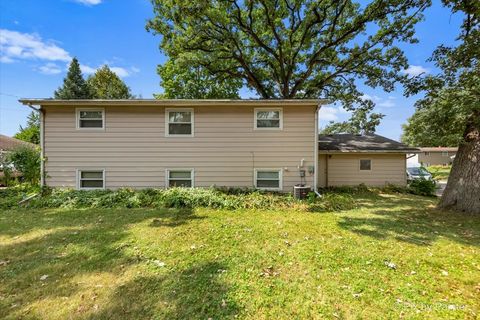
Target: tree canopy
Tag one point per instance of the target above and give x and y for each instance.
(106, 84)
(74, 85)
(31, 132)
(181, 79)
(362, 121)
(292, 48)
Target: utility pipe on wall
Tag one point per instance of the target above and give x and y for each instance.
(315, 155)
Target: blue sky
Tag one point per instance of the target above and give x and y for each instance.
(38, 39)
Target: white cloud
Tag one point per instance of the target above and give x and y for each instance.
(17, 46)
(50, 68)
(121, 72)
(415, 70)
(89, 2)
(379, 101)
(328, 114)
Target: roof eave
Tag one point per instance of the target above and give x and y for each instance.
(369, 151)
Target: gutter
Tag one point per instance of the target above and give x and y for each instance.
(41, 112)
(315, 156)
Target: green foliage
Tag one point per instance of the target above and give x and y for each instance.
(182, 79)
(11, 196)
(440, 172)
(27, 160)
(332, 201)
(74, 85)
(105, 84)
(301, 49)
(422, 187)
(6, 171)
(451, 106)
(30, 133)
(362, 121)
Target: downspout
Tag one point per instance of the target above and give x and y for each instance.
(315, 155)
(41, 112)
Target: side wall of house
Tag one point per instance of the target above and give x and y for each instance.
(344, 169)
(135, 152)
(435, 158)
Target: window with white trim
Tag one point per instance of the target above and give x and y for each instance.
(90, 118)
(180, 178)
(365, 164)
(179, 122)
(444, 153)
(268, 179)
(270, 119)
(91, 179)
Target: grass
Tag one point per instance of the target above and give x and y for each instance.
(440, 172)
(396, 257)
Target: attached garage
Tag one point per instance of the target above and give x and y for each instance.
(349, 160)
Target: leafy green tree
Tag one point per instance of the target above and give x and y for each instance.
(106, 84)
(362, 121)
(292, 49)
(74, 85)
(31, 132)
(27, 160)
(451, 107)
(183, 80)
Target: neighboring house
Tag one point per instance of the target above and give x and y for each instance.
(267, 144)
(437, 156)
(8, 144)
(349, 159)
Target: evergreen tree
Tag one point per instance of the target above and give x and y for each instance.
(105, 84)
(74, 86)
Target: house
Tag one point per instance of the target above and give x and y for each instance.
(437, 156)
(8, 144)
(266, 144)
(349, 159)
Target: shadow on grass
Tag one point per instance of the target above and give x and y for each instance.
(195, 293)
(175, 218)
(64, 245)
(414, 220)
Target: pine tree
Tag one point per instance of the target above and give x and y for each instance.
(105, 84)
(74, 86)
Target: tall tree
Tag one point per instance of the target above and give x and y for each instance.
(362, 121)
(106, 84)
(182, 79)
(31, 132)
(452, 99)
(74, 85)
(292, 48)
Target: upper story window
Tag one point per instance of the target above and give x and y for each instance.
(269, 119)
(179, 122)
(90, 118)
(365, 164)
(444, 153)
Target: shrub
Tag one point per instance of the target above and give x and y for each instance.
(422, 187)
(27, 160)
(11, 196)
(333, 202)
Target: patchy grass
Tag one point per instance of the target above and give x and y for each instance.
(440, 172)
(394, 257)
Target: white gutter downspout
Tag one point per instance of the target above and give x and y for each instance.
(42, 152)
(315, 156)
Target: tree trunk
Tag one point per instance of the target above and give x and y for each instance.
(463, 188)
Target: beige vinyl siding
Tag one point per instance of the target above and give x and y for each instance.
(135, 153)
(344, 169)
(435, 158)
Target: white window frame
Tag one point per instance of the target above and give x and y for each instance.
(79, 171)
(167, 122)
(280, 115)
(77, 118)
(167, 175)
(360, 164)
(280, 178)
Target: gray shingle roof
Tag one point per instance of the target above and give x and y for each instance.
(361, 143)
(8, 143)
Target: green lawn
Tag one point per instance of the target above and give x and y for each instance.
(184, 264)
(440, 172)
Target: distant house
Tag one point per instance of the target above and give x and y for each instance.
(263, 144)
(349, 159)
(437, 156)
(8, 144)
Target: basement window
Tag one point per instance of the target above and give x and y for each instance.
(365, 164)
(268, 179)
(91, 179)
(180, 178)
(90, 119)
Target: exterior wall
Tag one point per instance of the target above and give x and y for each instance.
(135, 152)
(344, 169)
(435, 158)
